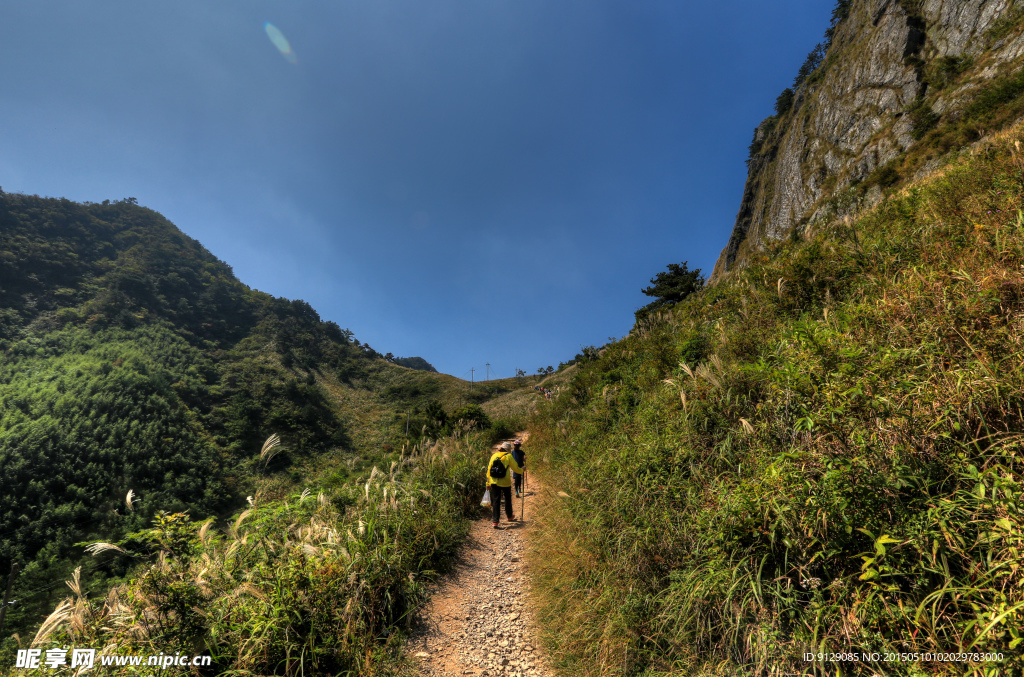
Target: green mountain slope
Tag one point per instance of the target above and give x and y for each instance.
(134, 360)
(820, 454)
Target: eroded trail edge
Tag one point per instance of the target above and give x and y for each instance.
(479, 619)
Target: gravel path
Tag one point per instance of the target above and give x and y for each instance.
(479, 620)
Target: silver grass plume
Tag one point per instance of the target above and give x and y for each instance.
(59, 615)
(97, 548)
(270, 449)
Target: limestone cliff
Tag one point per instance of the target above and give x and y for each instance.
(895, 71)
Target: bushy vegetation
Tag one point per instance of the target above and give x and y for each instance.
(814, 59)
(1005, 25)
(883, 176)
(922, 117)
(784, 102)
(502, 430)
(306, 585)
(945, 70)
(763, 133)
(821, 454)
(434, 421)
(840, 11)
(472, 416)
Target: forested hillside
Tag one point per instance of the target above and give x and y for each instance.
(134, 360)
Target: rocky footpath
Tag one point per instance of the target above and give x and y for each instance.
(479, 619)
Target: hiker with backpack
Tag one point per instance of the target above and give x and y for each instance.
(520, 456)
(499, 483)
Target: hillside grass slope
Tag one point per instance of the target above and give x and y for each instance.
(821, 454)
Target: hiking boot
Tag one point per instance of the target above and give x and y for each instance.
(495, 525)
(512, 519)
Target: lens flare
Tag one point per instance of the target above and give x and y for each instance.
(281, 42)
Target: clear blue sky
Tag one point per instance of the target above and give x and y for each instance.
(469, 181)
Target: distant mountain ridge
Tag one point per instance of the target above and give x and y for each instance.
(417, 363)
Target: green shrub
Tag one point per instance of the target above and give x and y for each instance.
(884, 176)
(1005, 25)
(762, 133)
(784, 102)
(694, 349)
(810, 65)
(995, 96)
(500, 431)
(472, 416)
(667, 288)
(947, 69)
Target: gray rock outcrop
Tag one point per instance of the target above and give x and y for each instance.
(850, 116)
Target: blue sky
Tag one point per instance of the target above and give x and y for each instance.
(470, 181)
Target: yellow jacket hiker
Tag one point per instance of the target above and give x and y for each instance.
(509, 462)
(502, 486)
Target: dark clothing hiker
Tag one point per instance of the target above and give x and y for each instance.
(520, 456)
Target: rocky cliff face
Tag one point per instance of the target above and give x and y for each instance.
(893, 67)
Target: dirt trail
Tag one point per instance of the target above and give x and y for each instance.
(479, 620)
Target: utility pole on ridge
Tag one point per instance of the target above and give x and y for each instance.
(488, 372)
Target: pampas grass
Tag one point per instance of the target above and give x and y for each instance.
(271, 448)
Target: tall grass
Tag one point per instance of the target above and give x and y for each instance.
(303, 586)
(822, 454)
